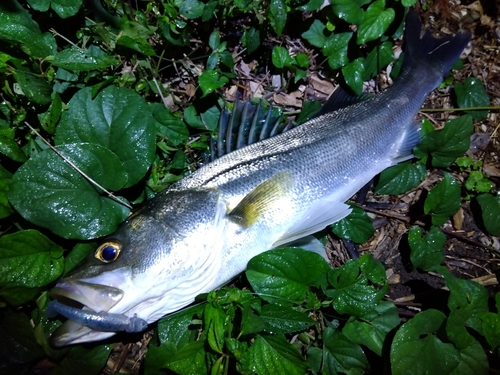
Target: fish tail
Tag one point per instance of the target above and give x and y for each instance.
(427, 52)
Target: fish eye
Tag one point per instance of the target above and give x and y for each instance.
(108, 251)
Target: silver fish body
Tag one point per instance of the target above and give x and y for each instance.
(201, 232)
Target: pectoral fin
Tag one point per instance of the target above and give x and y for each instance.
(262, 198)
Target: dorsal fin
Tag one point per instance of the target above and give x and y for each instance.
(339, 99)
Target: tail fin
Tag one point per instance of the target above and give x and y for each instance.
(438, 54)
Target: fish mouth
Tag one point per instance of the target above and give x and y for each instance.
(74, 298)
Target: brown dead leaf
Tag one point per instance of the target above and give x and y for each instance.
(293, 99)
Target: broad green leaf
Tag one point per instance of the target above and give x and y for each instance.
(250, 323)
(471, 94)
(353, 75)
(175, 328)
(49, 192)
(356, 291)
(443, 200)
(426, 251)
(82, 361)
(28, 259)
(468, 300)
(154, 361)
(33, 86)
(277, 15)
(118, 119)
(281, 58)
(416, 348)
(340, 355)
(49, 119)
(191, 8)
(5, 182)
(64, 8)
(408, 3)
(302, 60)
(490, 211)
(82, 60)
(375, 22)
(168, 125)
(137, 44)
(309, 109)
(189, 360)
(335, 49)
(473, 360)
(251, 40)
(315, 35)
(210, 80)
(372, 329)
(491, 325)
(280, 319)
(273, 355)
(214, 319)
(400, 178)
(311, 5)
(210, 118)
(282, 276)
(214, 40)
(349, 10)
(16, 26)
(8, 145)
(356, 227)
(378, 58)
(447, 144)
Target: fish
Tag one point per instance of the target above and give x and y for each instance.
(277, 188)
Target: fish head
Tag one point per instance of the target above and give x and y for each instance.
(150, 266)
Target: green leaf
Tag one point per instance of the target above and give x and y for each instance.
(335, 49)
(177, 328)
(34, 87)
(155, 359)
(137, 44)
(168, 125)
(342, 355)
(189, 360)
(214, 40)
(357, 289)
(443, 200)
(273, 355)
(375, 22)
(281, 58)
(49, 119)
(416, 348)
(280, 319)
(378, 58)
(5, 183)
(251, 40)
(77, 254)
(446, 144)
(400, 178)
(471, 94)
(349, 10)
(374, 327)
(8, 145)
(83, 361)
(210, 80)
(49, 192)
(118, 119)
(490, 212)
(82, 60)
(491, 325)
(309, 109)
(191, 8)
(16, 26)
(214, 319)
(473, 360)
(353, 75)
(282, 276)
(315, 35)
(63, 8)
(28, 259)
(356, 227)
(277, 15)
(426, 251)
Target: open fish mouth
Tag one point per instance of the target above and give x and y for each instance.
(86, 307)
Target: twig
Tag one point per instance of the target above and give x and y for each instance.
(88, 178)
(460, 109)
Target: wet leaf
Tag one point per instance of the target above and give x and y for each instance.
(353, 75)
(356, 226)
(82, 60)
(335, 49)
(490, 211)
(251, 40)
(64, 8)
(375, 22)
(281, 319)
(378, 58)
(282, 276)
(5, 183)
(281, 58)
(189, 360)
(34, 87)
(400, 178)
(169, 125)
(277, 15)
(210, 80)
(471, 93)
(191, 8)
(315, 35)
(427, 250)
(349, 10)
(8, 145)
(49, 192)
(340, 355)
(117, 119)
(443, 200)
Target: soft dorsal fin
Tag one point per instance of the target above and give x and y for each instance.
(339, 99)
(262, 198)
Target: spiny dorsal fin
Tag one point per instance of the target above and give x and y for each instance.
(262, 198)
(339, 99)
